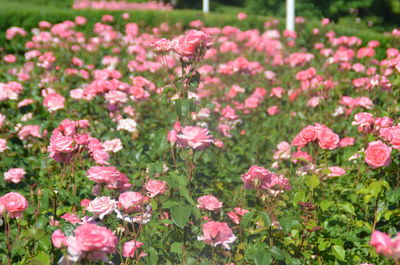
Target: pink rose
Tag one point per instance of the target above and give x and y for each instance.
(114, 145)
(92, 241)
(327, 139)
(209, 202)
(14, 203)
(377, 154)
(336, 171)
(194, 137)
(381, 242)
(131, 201)
(302, 156)
(283, 151)
(187, 45)
(346, 141)
(14, 175)
(3, 145)
(71, 218)
(216, 233)
(100, 174)
(273, 110)
(363, 119)
(53, 102)
(162, 45)
(241, 16)
(156, 187)
(130, 247)
(102, 206)
(59, 239)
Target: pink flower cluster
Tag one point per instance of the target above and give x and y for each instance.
(263, 179)
(217, 233)
(110, 177)
(325, 137)
(66, 141)
(120, 5)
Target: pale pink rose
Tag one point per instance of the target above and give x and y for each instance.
(53, 102)
(216, 233)
(172, 136)
(194, 137)
(102, 206)
(92, 242)
(114, 145)
(131, 201)
(10, 58)
(218, 143)
(101, 174)
(127, 125)
(209, 202)
(336, 171)
(277, 92)
(313, 102)
(383, 122)
(14, 203)
(283, 151)
(235, 215)
(301, 156)
(155, 187)
(327, 139)
(80, 20)
(241, 16)
(273, 110)
(29, 130)
(325, 21)
(59, 239)
(363, 119)
(162, 45)
(3, 145)
(14, 175)
(346, 141)
(25, 102)
(382, 243)
(130, 248)
(377, 154)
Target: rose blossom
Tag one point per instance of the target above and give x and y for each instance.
(59, 239)
(102, 206)
(216, 233)
(156, 187)
(91, 242)
(336, 171)
(53, 102)
(3, 145)
(131, 201)
(187, 45)
(130, 248)
(14, 203)
(377, 154)
(194, 137)
(209, 202)
(14, 175)
(327, 139)
(381, 242)
(114, 145)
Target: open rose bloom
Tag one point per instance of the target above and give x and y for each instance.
(90, 242)
(217, 233)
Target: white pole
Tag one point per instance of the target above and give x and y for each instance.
(206, 6)
(290, 15)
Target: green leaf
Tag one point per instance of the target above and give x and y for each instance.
(348, 207)
(246, 219)
(312, 181)
(325, 204)
(40, 259)
(288, 223)
(262, 257)
(266, 218)
(339, 252)
(277, 253)
(299, 196)
(176, 247)
(180, 215)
